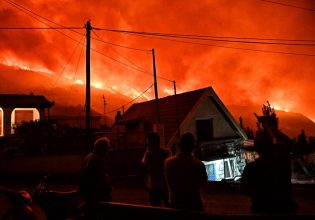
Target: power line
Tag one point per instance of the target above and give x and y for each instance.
(129, 66)
(40, 28)
(30, 13)
(63, 27)
(218, 38)
(130, 101)
(118, 45)
(134, 67)
(288, 5)
(228, 47)
(128, 60)
(118, 61)
(76, 69)
(64, 67)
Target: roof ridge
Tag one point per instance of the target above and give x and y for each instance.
(178, 94)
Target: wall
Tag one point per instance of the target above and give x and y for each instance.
(207, 109)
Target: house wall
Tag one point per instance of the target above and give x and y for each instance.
(206, 110)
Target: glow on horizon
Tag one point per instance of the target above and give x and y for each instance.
(280, 108)
(24, 66)
(79, 81)
(168, 91)
(97, 85)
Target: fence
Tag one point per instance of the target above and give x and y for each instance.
(123, 211)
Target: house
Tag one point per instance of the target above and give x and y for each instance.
(200, 112)
(75, 116)
(15, 108)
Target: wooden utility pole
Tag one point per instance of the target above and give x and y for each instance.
(156, 88)
(104, 103)
(176, 105)
(88, 86)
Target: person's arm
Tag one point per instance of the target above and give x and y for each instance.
(144, 160)
(168, 173)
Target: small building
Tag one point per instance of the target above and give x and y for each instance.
(15, 108)
(200, 112)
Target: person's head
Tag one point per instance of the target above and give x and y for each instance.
(153, 139)
(263, 144)
(187, 143)
(101, 146)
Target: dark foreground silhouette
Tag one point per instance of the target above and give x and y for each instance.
(267, 180)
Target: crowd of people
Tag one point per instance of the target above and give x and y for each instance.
(176, 181)
(172, 181)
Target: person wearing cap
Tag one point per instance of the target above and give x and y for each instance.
(185, 176)
(267, 180)
(94, 185)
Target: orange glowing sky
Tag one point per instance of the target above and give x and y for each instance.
(238, 76)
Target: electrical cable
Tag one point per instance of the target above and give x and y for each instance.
(131, 100)
(288, 5)
(64, 67)
(218, 38)
(228, 47)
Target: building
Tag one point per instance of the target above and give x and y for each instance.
(15, 108)
(200, 112)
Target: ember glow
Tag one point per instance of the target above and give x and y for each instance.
(238, 76)
(10, 61)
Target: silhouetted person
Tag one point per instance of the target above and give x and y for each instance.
(185, 176)
(153, 159)
(267, 180)
(118, 116)
(94, 186)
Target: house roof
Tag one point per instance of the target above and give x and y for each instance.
(24, 101)
(146, 111)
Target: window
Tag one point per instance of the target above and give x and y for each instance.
(227, 173)
(204, 129)
(23, 115)
(19, 115)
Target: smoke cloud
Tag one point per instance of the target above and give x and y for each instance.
(238, 76)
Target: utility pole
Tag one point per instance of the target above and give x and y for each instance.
(88, 86)
(104, 103)
(176, 106)
(156, 88)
